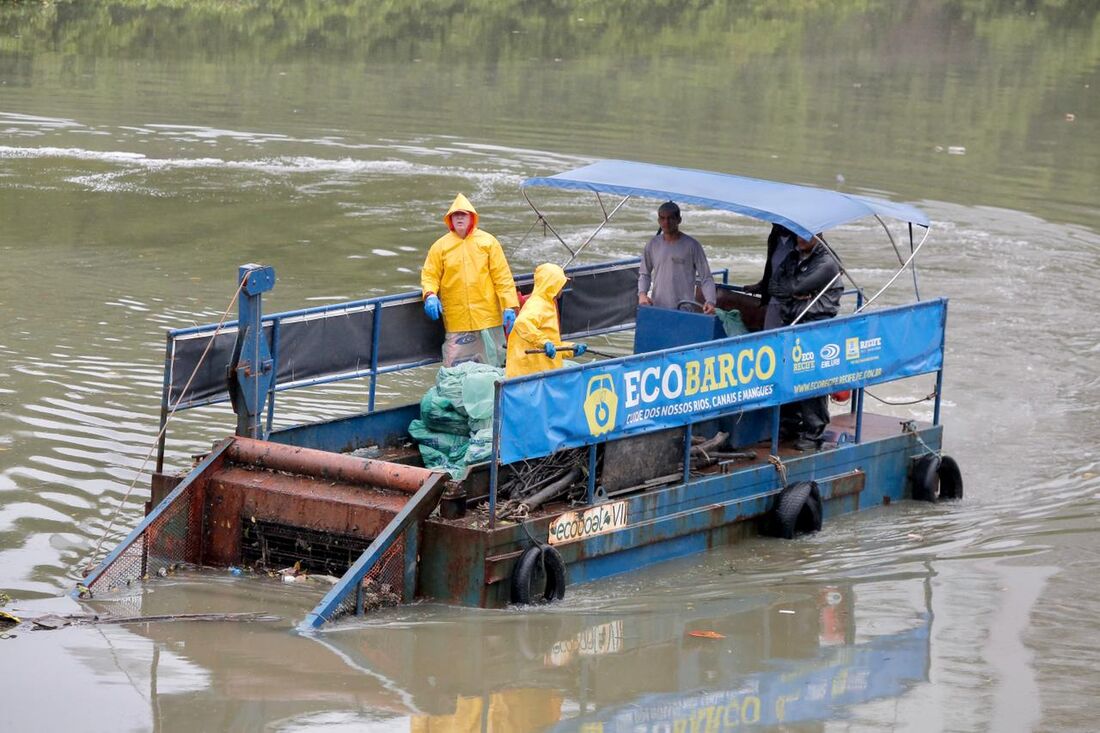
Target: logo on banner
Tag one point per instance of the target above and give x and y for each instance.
(601, 404)
(830, 356)
(803, 359)
(857, 349)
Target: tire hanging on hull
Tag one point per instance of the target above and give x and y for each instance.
(798, 510)
(538, 563)
(937, 478)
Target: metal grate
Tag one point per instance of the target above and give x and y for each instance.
(271, 545)
(167, 540)
(383, 585)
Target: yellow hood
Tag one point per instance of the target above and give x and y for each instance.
(549, 280)
(462, 204)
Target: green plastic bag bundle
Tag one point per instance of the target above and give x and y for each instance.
(455, 429)
(731, 322)
(480, 448)
(442, 415)
(477, 394)
(440, 450)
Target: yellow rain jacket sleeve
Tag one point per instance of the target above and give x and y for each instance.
(470, 275)
(537, 323)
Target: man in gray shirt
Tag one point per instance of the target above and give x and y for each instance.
(671, 263)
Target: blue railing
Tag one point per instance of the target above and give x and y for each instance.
(558, 402)
(373, 368)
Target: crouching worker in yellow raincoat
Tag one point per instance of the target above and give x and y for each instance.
(537, 327)
(466, 280)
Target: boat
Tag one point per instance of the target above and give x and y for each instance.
(596, 469)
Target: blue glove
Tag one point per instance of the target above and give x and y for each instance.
(548, 347)
(509, 320)
(579, 349)
(433, 307)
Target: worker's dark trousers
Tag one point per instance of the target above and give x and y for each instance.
(815, 416)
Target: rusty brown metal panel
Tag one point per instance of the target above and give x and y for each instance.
(845, 484)
(161, 485)
(237, 494)
(452, 561)
(221, 524)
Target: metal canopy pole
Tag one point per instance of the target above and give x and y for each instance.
(916, 287)
(901, 260)
(597, 230)
(573, 253)
(843, 271)
(900, 270)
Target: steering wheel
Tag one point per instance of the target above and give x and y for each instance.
(689, 306)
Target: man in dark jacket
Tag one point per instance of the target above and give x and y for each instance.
(780, 244)
(809, 269)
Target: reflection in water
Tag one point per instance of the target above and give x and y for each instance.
(762, 661)
(640, 673)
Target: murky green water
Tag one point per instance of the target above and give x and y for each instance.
(147, 149)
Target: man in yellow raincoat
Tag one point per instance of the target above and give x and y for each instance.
(537, 327)
(466, 280)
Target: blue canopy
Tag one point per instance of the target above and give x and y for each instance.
(802, 209)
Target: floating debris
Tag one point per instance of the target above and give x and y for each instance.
(52, 622)
(706, 635)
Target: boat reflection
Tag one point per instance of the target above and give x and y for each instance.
(811, 652)
(790, 691)
(720, 664)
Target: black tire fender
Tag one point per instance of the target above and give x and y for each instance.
(951, 480)
(798, 510)
(536, 559)
(926, 478)
(937, 478)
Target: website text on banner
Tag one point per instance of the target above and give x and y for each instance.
(637, 394)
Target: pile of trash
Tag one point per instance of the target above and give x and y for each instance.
(455, 429)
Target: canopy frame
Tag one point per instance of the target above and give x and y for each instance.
(722, 191)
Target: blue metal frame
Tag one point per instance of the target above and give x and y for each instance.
(255, 367)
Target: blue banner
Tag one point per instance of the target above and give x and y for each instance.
(638, 394)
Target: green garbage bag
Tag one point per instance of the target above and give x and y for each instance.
(731, 322)
(477, 394)
(480, 447)
(455, 428)
(440, 414)
(440, 450)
